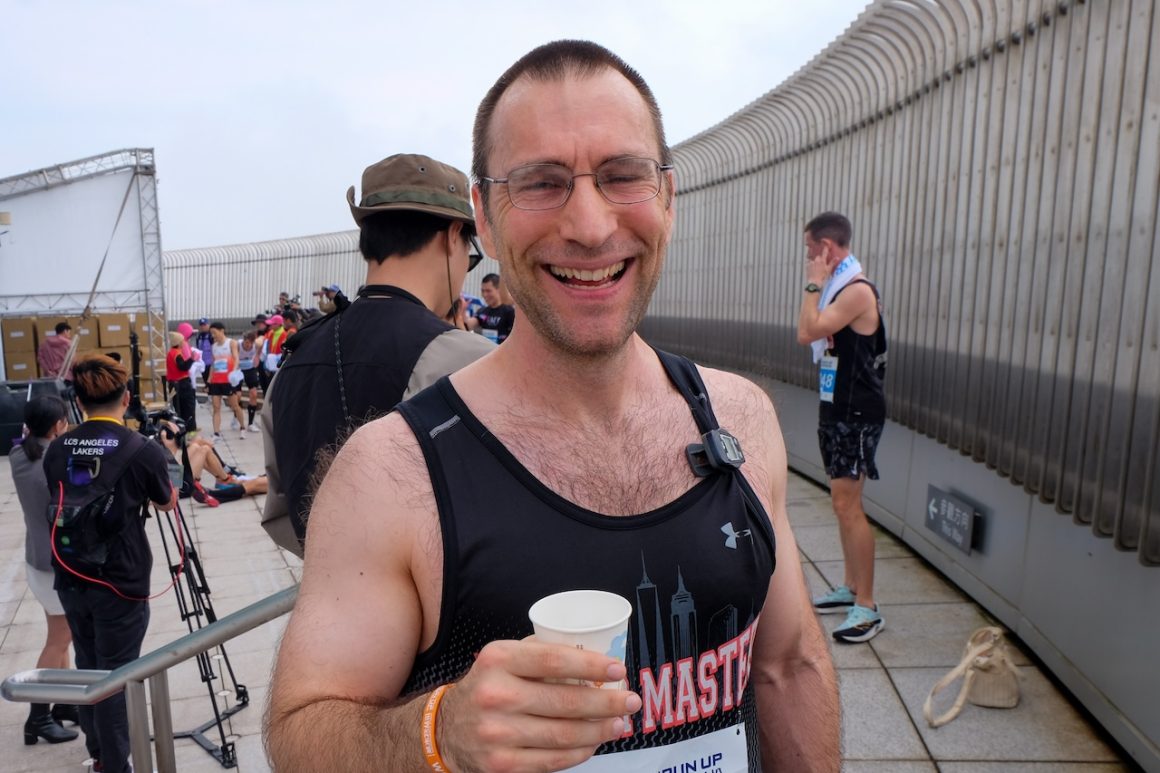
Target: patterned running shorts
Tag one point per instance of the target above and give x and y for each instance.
(848, 448)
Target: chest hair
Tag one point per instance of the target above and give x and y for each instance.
(625, 467)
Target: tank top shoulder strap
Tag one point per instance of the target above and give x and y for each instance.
(686, 378)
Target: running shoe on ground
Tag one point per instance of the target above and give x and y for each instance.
(234, 424)
(201, 496)
(254, 428)
(840, 599)
(218, 436)
(862, 624)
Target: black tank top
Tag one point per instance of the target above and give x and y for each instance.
(859, 393)
(696, 571)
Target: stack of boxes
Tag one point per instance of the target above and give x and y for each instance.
(19, 348)
(105, 333)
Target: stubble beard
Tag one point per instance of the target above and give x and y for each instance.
(561, 336)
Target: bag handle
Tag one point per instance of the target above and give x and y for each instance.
(962, 669)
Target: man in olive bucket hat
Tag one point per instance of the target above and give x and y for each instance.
(417, 235)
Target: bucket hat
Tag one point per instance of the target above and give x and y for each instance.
(414, 182)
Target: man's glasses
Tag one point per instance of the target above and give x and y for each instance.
(548, 186)
(473, 258)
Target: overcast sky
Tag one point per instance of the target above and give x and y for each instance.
(263, 113)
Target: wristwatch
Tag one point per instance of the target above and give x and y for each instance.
(813, 288)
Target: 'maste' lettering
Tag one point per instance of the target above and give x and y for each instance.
(714, 682)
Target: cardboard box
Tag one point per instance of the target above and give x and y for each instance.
(113, 329)
(87, 333)
(20, 366)
(19, 334)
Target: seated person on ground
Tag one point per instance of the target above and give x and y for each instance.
(203, 458)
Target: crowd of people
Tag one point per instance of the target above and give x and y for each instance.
(414, 439)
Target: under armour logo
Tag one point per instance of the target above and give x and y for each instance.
(731, 535)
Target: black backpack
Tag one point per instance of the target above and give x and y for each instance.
(83, 528)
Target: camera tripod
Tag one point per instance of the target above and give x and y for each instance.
(196, 608)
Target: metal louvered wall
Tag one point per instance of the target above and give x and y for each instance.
(1000, 161)
(239, 280)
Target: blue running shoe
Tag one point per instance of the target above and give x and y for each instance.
(840, 599)
(862, 624)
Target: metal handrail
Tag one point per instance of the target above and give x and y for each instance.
(86, 687)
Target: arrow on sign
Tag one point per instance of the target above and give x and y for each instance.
(931, 510)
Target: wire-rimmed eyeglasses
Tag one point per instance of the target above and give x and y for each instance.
(473, 258)
(547, 186)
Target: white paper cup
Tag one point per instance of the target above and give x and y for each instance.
(585, 619)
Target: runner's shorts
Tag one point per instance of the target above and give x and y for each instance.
(250, 378)
(848, 448)
(222, 390)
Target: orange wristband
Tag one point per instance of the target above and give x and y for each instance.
(430, 715)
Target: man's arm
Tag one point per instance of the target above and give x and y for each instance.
(855, 300)
(793, 673)
(373, 568)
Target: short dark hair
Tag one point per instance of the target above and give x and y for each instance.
(490, 279)
(833, 226)
(402, 233)
(291, 316)
(99, 381)
(40, 415)
(217, 326)
(553, 62)
(62, 326)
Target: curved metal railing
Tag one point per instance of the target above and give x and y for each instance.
(81, 687)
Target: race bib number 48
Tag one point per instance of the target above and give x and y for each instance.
(827, 377)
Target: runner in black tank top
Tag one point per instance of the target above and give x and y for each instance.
(558, 461)
(696, 571)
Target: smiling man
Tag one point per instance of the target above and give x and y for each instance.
(574, 456)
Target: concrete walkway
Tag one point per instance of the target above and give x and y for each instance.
(883, 683)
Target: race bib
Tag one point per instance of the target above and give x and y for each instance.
(491, 335)
(221, 366)
(827, 378)
(724, 751)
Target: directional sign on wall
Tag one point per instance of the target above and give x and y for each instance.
(950, 517)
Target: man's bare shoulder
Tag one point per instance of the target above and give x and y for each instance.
(745, 410)
(736, 398)
(379, 469)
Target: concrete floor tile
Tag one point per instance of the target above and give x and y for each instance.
(8, 610)
(875, 724)
(888, 766)
(253, 586)
(820, 543)
(800, 487)
(252, 755)
(1044, 727)
(67, 757)
(900, 581)
(928, 634)
(1032, 767)
(25, 638)
(809, 512)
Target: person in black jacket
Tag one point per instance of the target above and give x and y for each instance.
(101, 476)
